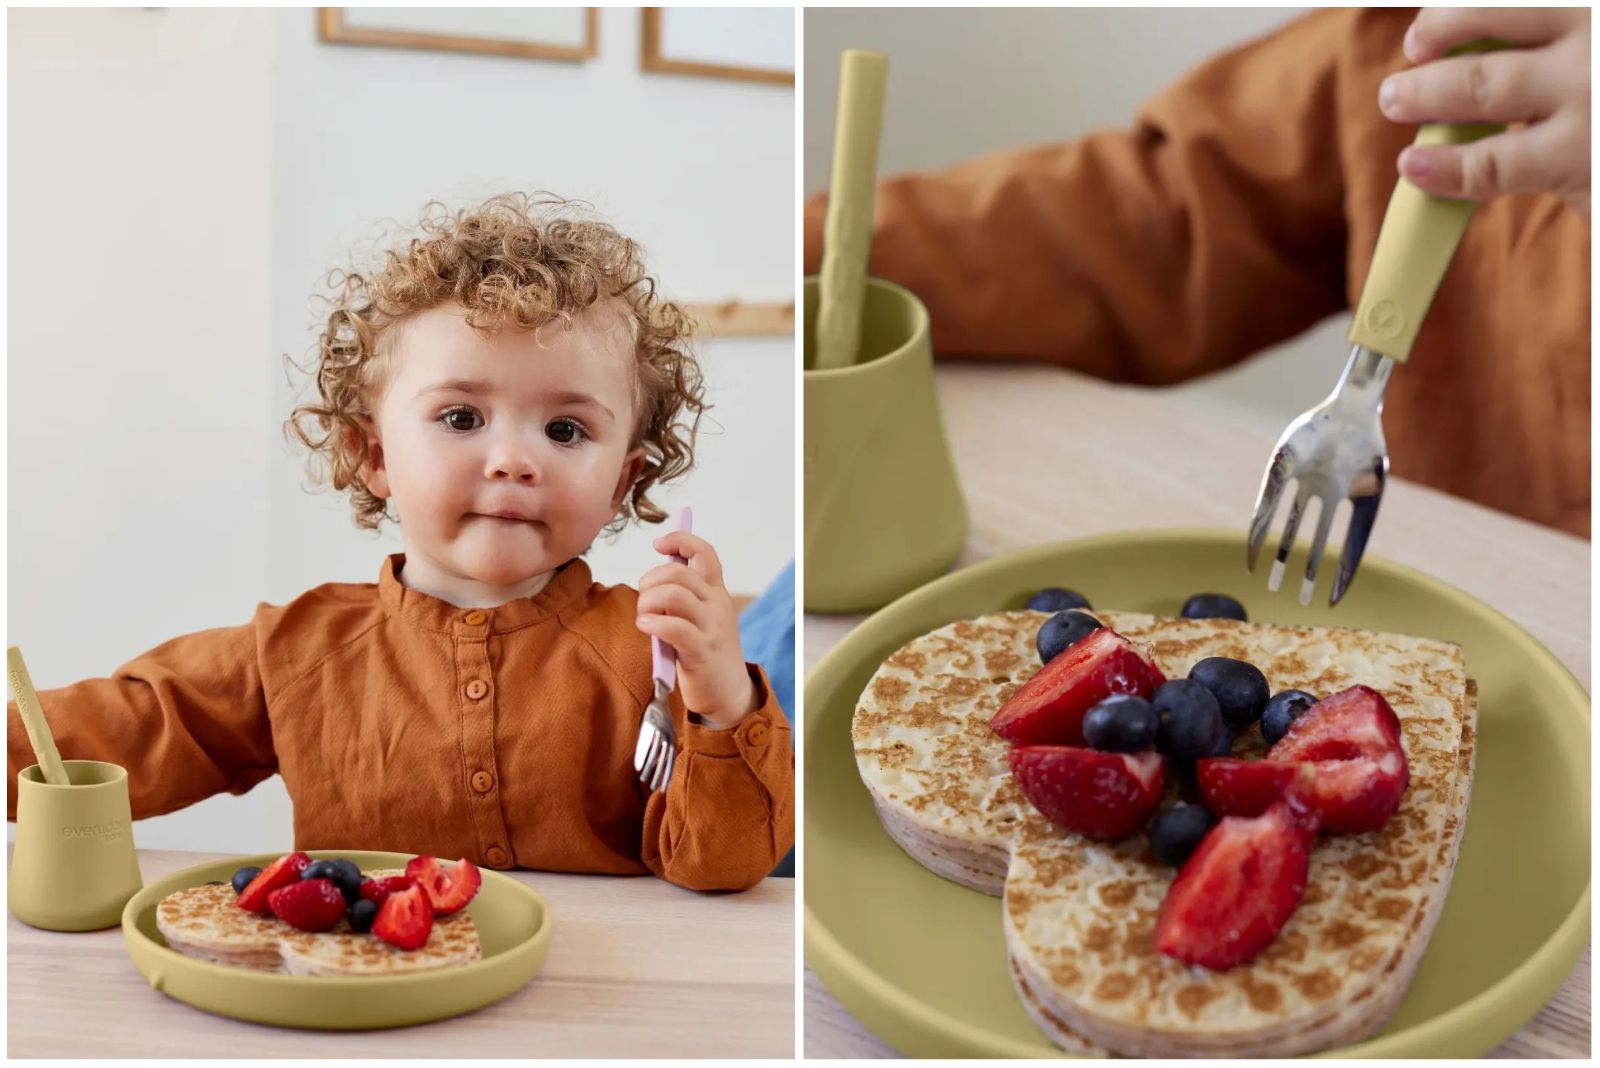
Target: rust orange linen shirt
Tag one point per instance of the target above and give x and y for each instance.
(401, 722)
(1241, 208)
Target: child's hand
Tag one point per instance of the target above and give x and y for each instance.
(1544, 82)
(688, 607)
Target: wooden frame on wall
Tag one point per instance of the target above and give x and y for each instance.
(652, 60)
(738, 318)
(334, 29)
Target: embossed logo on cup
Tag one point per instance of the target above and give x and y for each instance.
(1385, 319)
(106, 832)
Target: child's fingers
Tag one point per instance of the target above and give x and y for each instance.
(1497, 87)
(678, 633)
(1528, 160)
(1436, 30)
(678, 575)
(701, 556)
(665, 600)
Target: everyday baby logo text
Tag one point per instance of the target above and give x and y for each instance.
(106, 832)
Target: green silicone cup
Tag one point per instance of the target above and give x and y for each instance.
(74, 866)
(883, 507)
(513, 924)
(922, 961)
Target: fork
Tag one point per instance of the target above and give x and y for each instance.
(1335, 451)
(656, 751)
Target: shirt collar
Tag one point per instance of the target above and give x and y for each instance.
(569, 583)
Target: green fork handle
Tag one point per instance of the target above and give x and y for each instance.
(1418, 237)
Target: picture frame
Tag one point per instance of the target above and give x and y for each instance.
(576, 31)
(683, 46)
(743, 318)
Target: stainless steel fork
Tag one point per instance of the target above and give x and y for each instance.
(656, 751)
(1336, 452)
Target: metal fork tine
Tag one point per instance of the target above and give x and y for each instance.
(1325, 509)
(641, 748)
(1286, 543)
(1267, 501)
(1365, 496)
(666, 768)
(648, 770)
(663, 765)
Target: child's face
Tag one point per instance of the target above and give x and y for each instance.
(504, 455)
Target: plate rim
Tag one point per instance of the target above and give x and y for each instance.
(1542, 972)
(148, 894)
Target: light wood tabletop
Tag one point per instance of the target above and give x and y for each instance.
(637, 968)
(1013, 429)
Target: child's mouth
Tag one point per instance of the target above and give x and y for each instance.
(506, 516)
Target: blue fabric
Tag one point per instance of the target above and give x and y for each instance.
(766, 631)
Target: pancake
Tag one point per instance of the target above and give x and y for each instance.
(1079, 915)
(206, 922)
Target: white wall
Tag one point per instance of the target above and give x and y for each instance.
(963, 82)
(180, 181)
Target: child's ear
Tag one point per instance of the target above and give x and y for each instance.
(632, 464)
(373, 474)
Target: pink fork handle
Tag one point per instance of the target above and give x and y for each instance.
(663, 657)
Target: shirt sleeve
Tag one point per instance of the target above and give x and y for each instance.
(188, 719)
(1211, 229)
(727, 817)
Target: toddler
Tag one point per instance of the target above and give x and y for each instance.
(505, 385)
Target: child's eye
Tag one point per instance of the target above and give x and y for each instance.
(565, 431)
(461, 419)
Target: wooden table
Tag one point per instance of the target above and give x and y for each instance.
(1017, 433)
(637, 968)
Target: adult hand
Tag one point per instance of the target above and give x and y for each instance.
(1542, 84)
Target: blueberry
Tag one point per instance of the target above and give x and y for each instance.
(1283, 709)
(242, 878)
(1240, 688)
(1176, 831)
(1224, 744)
(1214, 606)
(1056, 599)
(361, 914)
(342, 873)
(1190, 720)
(1061, 630)
(1122, 723)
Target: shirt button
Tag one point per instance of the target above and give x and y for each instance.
(756, 734)
(474, 618)
(496, 856)
(477, 688)
(482, 781)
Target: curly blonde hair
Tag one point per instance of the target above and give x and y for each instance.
(513, 260)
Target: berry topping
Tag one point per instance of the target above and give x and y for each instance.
(1344, 751)
(1049, 708)
(1056, 599)
(405, 919)
(1062, 630)
(1098, 795)
(1122, 723)
(1177, 831)
(1283, 709)
(449, 889)
(375, 890)
(1237, 890)
(1214, 606)
(1190, 721)
(279, 873)
(1240, 688)
(361, 915)
(242, 877)
(342, 873)
(308, 904)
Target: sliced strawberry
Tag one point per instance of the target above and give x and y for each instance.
(1098, 795)
(1235, 893)
(448, 888)
(1357, 722)
(309, 904)
(375, 890)
(405, 919)
(279, 873)
(1049, 708)
(1233, 787)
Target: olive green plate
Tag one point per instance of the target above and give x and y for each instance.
(513, 927)
(922, 961)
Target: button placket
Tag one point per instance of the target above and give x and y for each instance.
(476, 690)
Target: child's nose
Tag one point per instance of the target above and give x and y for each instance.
(514, 465)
